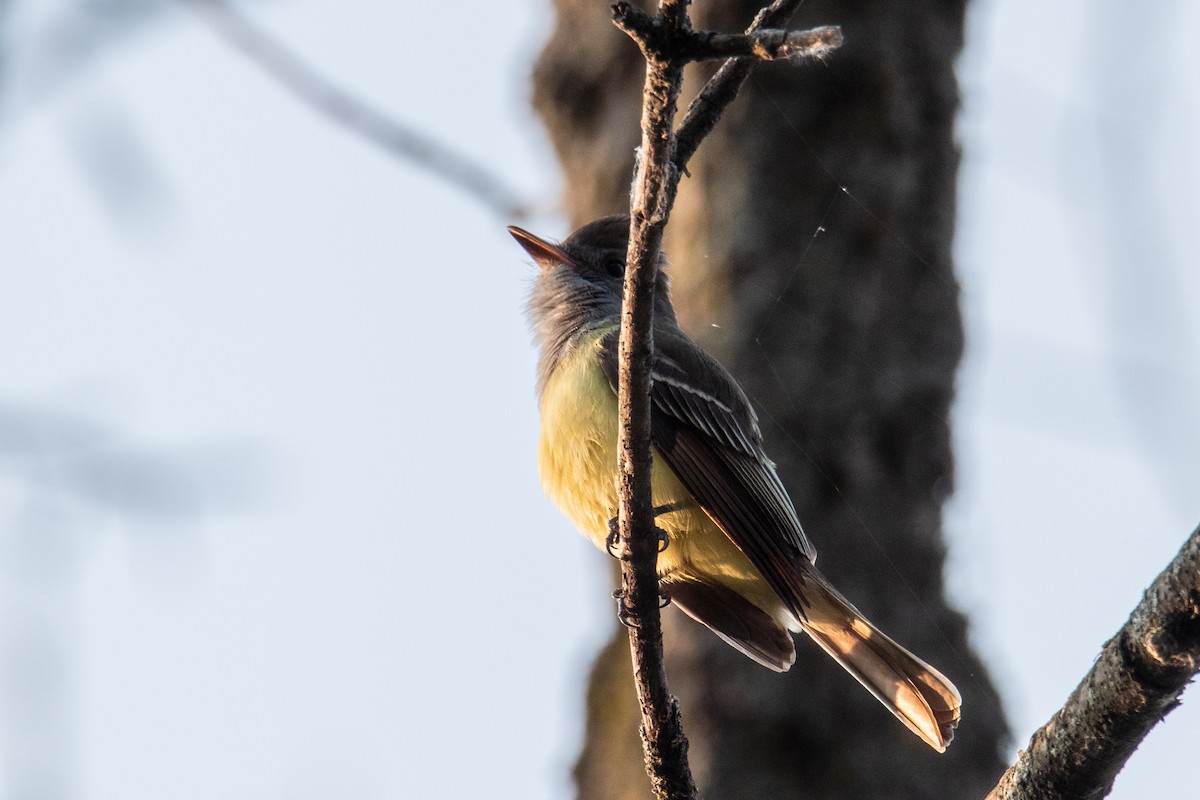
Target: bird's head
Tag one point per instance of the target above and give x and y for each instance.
(581, 279)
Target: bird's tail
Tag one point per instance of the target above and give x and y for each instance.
(920, 696)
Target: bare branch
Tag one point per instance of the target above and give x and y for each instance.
(763, 44)
(708, 106)
(762, 41)
(1136, 681)
(668, 44)
(664, 744)
(342, 107)
(767, 45)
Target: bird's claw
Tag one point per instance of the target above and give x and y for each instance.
(625, 612)
(617, 545)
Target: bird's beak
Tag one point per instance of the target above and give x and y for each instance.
(544, 253)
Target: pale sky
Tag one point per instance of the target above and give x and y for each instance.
(249, 416)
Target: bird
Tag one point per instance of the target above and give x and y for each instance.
(736, 558)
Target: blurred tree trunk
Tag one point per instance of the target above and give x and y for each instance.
(839, 314)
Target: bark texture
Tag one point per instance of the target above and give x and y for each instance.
(1136, 681)
(838, 312)
(664, 743)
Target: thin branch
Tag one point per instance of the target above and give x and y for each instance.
(762, 41)
(668, 43)
(1136, 681)
(664, 744)
(368, 122)
(771, 44)
(762, 44)
(708, 106)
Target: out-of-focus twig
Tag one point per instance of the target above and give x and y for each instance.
(344, 108)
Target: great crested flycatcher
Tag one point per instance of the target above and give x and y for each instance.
(737, 559)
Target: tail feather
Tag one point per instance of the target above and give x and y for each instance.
(736, 620)
(920, 696)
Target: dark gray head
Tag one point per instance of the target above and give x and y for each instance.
(579, 286)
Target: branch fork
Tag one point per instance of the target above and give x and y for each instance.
(659, 39)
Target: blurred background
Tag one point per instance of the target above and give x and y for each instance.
(271, 519)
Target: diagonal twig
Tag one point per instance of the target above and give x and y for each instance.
(708, 106)
(1136, 681)
(354, 114)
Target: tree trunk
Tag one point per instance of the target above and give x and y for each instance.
(838, 312)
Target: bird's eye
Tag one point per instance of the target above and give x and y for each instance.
(614, 266)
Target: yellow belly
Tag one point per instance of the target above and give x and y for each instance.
(577, 458)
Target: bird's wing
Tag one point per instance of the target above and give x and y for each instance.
(706, 431)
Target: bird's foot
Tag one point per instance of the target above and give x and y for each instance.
(625, 612)
(618, 546)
